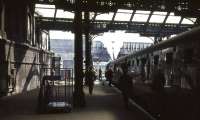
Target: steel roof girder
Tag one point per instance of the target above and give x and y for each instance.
(100, 26)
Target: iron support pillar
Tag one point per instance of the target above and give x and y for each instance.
(49, 42)
(2, 19)
(79, 98)
(88, 56)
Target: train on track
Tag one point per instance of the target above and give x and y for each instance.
(165, 76)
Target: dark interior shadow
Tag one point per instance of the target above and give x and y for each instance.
(19, 55)
(19, 104)
(108, 100)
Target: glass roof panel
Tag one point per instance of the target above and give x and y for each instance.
(44, 6)
(123, 16)
(193, 19)
(105, 16)
(124, 11)
(64, 14)
(92, 15)
(157, 19)
(140, 18)
(159, 13)
(188, 21)
(142, 12)
(45, 12)
(171, 14)
(173, 19)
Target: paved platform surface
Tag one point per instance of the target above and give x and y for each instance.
(104, 104)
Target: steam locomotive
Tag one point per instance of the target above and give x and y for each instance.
(165, 76)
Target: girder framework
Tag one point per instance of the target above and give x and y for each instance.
(98, 26)
(183, 8)
(189, 8)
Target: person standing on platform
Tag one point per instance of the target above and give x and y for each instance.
(126, 85)
(91, 78)
(159, 90)
(109, 75)
(100, 74)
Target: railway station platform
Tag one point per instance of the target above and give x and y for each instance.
(106, 103)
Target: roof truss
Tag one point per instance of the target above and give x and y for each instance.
(99, 26)
(147, 28)
(189, 8)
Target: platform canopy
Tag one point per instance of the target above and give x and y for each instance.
(157, 18)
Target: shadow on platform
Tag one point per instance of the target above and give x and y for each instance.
(104, 104)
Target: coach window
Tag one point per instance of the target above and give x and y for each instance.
(137, 60)
(169, 58)
(156, 59)
(133, 63)
(188, 53)
(143, 61)
(129, 63)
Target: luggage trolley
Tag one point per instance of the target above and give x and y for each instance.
(56, 90)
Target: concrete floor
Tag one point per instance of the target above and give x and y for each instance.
(104, 104)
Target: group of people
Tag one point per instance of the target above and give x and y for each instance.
(125, 81)
(91, 75)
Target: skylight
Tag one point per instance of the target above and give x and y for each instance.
(158, 17)
(160, 13)
(105, 16)
(123, 15)
(124, 11)
(141, 16)
(64, 14)
(44, 6)
(45, 12)
(92, 15)
(193, 19)
(142, 12)
(173, 19)
(188, 21)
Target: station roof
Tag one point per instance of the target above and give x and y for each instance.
(147, 17)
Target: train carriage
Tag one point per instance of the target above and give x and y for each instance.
(166, 73)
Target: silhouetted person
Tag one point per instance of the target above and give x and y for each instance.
(125, 84)
(158, 81)
(90, 73)
(109, 75)
(100, 74)
(158, 88)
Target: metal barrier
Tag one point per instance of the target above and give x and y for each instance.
(56, 88)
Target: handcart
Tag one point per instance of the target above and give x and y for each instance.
(56, 90)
